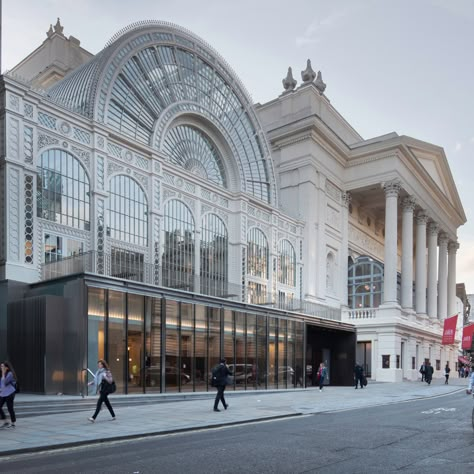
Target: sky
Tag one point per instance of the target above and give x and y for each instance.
(405, 66)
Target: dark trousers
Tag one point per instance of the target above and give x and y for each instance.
(9, 401)
(103, 398)
(358, 380)
(321, 382)
(220, 396)
(447, 378)
(423, 376)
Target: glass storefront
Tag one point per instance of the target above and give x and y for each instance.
(161, 345)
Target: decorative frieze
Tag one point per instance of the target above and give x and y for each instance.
(28, 110)
(28, 144)
(156, 193)
(100, 172)
(47, 120)
(114, 150)
(14, 102)
(142, 179)
(142, 162)
(14, 214)
(83, 155)
(13, 138)
(191, 203)
(29, 220)
(113, 168)
(167, 194)
(82, 135)
(65, 128)
(168, 178)
(45, 140)
(367, 244)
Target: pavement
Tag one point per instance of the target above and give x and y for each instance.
(54, 422)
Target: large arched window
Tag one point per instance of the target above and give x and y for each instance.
(365, 283)
(178, 251)
(286, 263)
(257, 254)
(128, 211)
(214, 256)
(189, 148)
(63, 190)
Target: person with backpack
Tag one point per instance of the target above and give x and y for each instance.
(104, 385)
(358, 375)
(7, 394)
(219, 380)
(423, 371)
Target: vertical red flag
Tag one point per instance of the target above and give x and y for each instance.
(467, 333)
(449, 331)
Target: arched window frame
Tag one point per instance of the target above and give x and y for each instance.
(286, 263)
(258, 253)
(214, 258)
(178, 256)
(365, 283)
(127, 211)
(66, 199)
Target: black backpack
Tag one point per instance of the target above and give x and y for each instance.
(17, 387)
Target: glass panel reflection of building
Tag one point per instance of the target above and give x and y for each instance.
(162, 345)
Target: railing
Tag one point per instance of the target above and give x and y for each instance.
(363, 313)
(136, 270)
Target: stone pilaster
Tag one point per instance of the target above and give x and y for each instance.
(408, 206)
(452, 249)
(420, 294)
(433, 229)
(443, 276)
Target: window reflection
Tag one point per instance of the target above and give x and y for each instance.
(257, 260)
(63, 190)
(365, 283)
(286, 263)
(214, 256)
(128, 211)
(178, 253)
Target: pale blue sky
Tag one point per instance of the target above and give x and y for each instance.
(403, 66)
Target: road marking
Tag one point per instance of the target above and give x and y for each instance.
(437, 411)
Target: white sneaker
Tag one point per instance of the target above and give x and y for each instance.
(91, 419)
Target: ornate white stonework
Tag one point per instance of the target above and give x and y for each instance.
(113, 167)
(13, 138)
(100, 172)
(156, 193)
(13, 214)
(83, 155)
(46, 140)
(28, 144)
(366, 244)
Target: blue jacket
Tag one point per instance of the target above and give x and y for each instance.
(7, 385)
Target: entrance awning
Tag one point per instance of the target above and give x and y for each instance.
(463, 360)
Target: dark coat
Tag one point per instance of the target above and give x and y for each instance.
(429, 371)
(222, 373)
(358, 371)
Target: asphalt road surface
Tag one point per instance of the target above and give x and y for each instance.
(426, 436)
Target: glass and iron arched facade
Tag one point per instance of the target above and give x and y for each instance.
(365, 283)
(214, 248)
(128, 211)
(178, 257)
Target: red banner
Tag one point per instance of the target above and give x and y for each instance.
(449, 331)
(467, 336)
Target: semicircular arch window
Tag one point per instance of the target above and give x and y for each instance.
(189, 148)
(63, 192)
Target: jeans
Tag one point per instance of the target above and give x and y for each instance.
(9, 401)
(103, 398)
(321, 382)
(471, 381)
(220, 396)
(358, 380)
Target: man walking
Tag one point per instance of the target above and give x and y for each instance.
(428, 372)
(423, 371)
(446, 373)
(219, 380)
(358, 375)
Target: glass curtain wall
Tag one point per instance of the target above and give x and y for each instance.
(173, 351)
(365, 283)
(179, 246)
(286, 263)
(135, 342)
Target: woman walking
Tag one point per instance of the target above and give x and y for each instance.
(7, 394)
(322, 373)
(102, 379)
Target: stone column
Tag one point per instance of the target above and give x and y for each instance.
(433, 229)
(408, 206)
(420, 292)
(452, 249)
(443, 276)
(346, 200)
(390, 257)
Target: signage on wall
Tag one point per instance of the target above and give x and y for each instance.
(449, 331)
(467, 337)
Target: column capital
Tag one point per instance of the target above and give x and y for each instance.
(391, 188)
(433, 228)
(453, 247)
(408, 204)
(346, 198)
(422, 218)
(443, 238)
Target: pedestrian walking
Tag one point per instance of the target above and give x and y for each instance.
(428, 372)
(219, 380)
(322, 374)
(358, 375)
(103, 382)
(8, 386)
(423, 371)
(446, 374)
(471, 378)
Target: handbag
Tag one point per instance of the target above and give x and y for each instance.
(107, 387)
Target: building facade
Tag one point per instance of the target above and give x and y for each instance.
(155, 216)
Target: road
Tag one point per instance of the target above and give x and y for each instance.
(424, 436)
